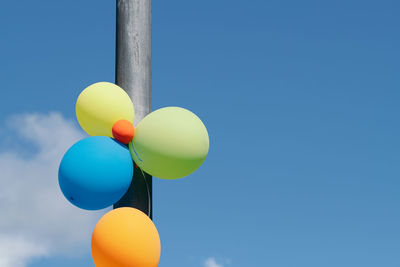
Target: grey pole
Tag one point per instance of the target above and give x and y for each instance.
(133, 74)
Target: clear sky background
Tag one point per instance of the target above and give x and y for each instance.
(301, 101)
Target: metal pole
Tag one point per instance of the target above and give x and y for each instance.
(133, 74)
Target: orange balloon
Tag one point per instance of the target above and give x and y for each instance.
(123, 131)
(125, 237)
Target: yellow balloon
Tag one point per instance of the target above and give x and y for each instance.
(101, 105)
(170, 143)
(125, 237)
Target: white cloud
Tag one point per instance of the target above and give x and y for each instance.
(35, 218)
(210, 262)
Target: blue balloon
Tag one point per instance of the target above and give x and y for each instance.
(95, 172)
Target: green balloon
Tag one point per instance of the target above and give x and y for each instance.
(170, 143)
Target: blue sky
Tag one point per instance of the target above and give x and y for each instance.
(301, 101)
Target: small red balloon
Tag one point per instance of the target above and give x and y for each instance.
(123, 131)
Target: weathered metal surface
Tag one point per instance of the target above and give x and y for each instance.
(133, 74)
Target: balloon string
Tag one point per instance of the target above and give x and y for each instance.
(145, 180)
(148, 191)
(133, 147)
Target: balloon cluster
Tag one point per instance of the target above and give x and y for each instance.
(96, 172)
